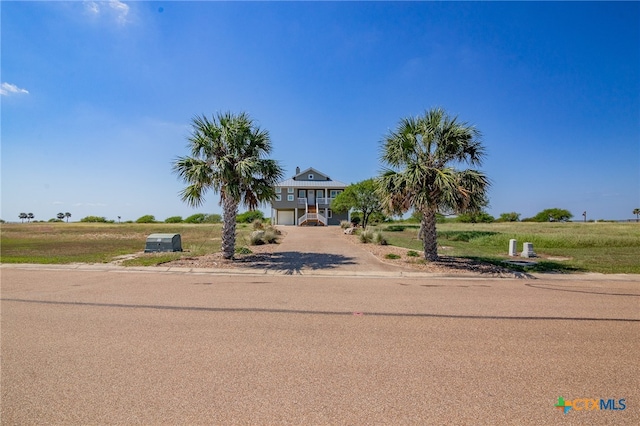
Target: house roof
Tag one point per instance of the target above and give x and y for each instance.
(295, 181)
(312, 183)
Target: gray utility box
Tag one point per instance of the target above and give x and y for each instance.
(163, 242)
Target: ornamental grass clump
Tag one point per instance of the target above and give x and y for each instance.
(379, 239)
(264, 236)
(366, 236)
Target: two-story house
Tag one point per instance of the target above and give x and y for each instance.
(305, 199)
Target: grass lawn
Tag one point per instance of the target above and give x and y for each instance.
(102, 243)
(567, 247)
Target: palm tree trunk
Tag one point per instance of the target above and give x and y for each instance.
(230, 208)
(429, 235)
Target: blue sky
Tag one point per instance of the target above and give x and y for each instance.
(97, 97)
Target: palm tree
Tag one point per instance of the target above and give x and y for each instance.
(637, 213)
(421, 154)
(228, 156)
(67, 215)
(60, 216)
(22, 217)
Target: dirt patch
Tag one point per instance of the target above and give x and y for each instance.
(215, 260)
(446, 264)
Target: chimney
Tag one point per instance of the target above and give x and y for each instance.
(297, 170)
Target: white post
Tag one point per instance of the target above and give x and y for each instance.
(527, 250)
(513, 244)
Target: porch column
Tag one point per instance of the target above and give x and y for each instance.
(295, 217)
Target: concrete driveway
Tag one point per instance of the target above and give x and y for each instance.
(319, 248)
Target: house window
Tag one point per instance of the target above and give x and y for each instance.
(278, 190)
(319, 193)
(302, 193)
(290, 190)
(310, 176)
(329, 213)
(289, 197)
(334, 193)
(278, 197)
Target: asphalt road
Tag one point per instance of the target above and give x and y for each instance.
(112, 347)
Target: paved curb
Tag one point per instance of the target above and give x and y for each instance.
(86, 267)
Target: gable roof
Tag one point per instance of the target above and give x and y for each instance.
(312, 183)
(310, 170)
(304, 183)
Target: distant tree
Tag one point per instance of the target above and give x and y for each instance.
(30, 216)
(228, 156)
(250, 216)
(60, 216)
(213, 218)
(97, 219)
(68, 215)
(637, 213)
(416, 216)
(148, 218)
(509, 217)
(361, 197)
(173, 219)
(22, 217)
(196, 218)
(553, 215)
(421, 155)
(479, 217)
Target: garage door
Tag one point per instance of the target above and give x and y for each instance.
(286, 218)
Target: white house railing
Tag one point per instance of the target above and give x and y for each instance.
(316, 217)
(320, 200)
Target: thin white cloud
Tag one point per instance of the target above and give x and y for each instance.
(92, 7)
(7, 89)
(114, 8)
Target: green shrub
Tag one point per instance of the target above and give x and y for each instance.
(149, 218)
(509, 217)
(97, 219)
(344, 224)
(212, 218)
(392, 256)
(396, 228)
(195, 218)
(257, 224)
(243, 250)
(250, 216)
(173, 219)
(204, 218)
(480, 217)
(413, 253)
